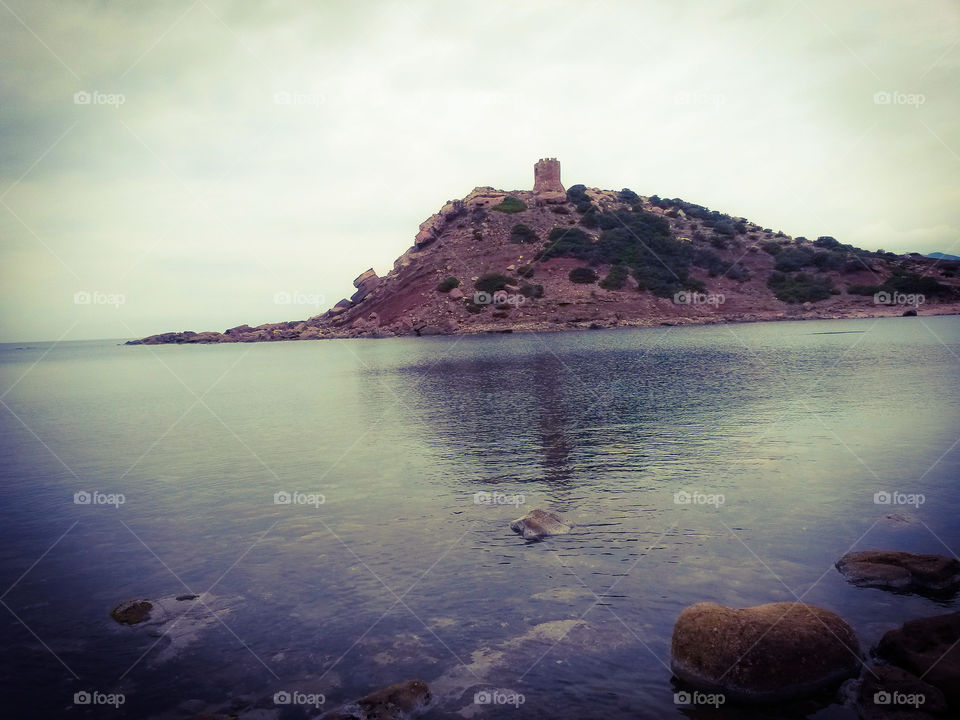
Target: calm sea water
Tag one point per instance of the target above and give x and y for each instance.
(399, 573)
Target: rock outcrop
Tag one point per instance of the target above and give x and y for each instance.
(930, 649)
(396, 702)
(132, 612)
(538, 524)
(892, 570)
(890, 693)
(526, 244)
(767, 653)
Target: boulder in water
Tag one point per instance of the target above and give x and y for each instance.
(892, 570)
(930, 649)
(131, 612)
(766, 653)
(889, 693)
(395, 702)
(538, 524)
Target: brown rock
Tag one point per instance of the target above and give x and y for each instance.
(767, 653)
(391, 703)
(341, 306)
(894, 570)
(131, 612)
(364, 277)
(889, 693)
(538, 524)
(930, 649)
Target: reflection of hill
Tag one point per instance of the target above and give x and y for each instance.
(512, 412)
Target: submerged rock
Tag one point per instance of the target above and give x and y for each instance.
(402, 700)
(177, 620)
(930, 649)
(538, 524)
(766, 653)
(131, 612)
(893, 570)
(889, 693)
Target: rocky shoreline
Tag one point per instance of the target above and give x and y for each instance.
(305, 330)
(770, 655)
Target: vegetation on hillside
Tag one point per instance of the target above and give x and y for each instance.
(800, 287)
(510, 204)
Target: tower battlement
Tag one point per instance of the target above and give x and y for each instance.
(546, 176)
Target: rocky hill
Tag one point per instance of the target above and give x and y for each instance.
(558, 259)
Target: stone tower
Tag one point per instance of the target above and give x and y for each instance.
(546, 176)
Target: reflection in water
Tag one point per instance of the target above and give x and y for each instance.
(554, 438)
(798, 431)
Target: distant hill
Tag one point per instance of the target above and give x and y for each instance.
(942, 256)
(559, 259)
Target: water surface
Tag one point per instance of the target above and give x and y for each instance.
(399, 573)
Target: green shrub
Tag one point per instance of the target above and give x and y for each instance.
(577, 193)
(531, 291)
(831, 260)
(770, 247)
(635, 238)
(912, 284)
(801, 287)
(863, 289)
(525, 271)
(591, 218)
(724, 227)
(510, 204)
(856, 264)
(616, 278)
(583, 275)
(522, 234)
(825, 241)
(793, 259)
(715, 266)
(492, 282)
(628, 196)
(448, 284)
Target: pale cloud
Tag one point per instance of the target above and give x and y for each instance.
(204, 193)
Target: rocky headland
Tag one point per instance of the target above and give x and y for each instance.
(553, 258)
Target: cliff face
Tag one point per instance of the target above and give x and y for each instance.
(500, 261)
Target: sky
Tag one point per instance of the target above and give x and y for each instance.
(200, 164)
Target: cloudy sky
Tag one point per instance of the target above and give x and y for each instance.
(187, 164)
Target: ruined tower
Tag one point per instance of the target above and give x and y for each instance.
(546, 176)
